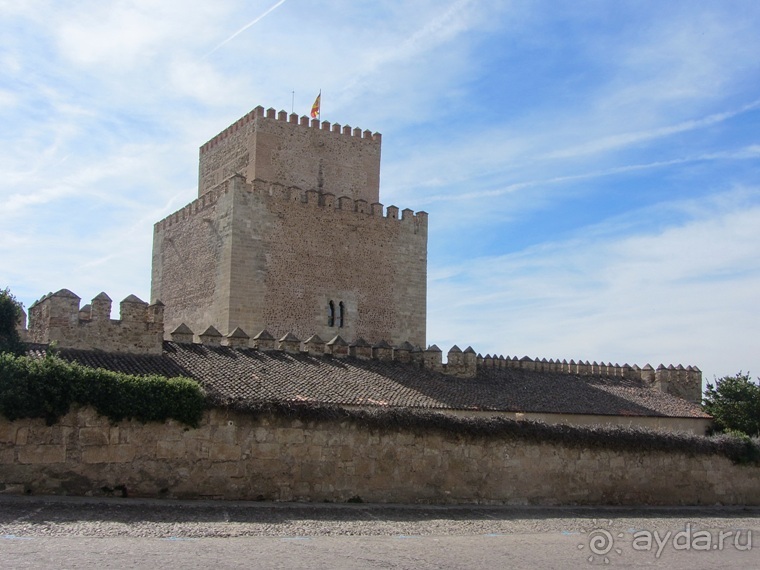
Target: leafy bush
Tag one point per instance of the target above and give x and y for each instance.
(47, 387)
(734, 403)
(10, 315)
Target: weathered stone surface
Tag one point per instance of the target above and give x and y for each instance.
(8, 433)
(224, 452)
(118, 453)
(42, 454)
(268, 245)
(57, 318)
(94, 436)
(234, 456)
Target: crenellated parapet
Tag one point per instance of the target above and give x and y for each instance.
(292, 118)
(57, 317)
(277, 193)
(294, 151)
(460, 364)
(684, 382)
(195, 208)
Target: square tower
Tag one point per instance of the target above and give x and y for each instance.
(288, 235)
(305, 154)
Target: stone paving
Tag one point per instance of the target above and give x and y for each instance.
(75, 532)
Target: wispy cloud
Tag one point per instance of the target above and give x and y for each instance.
(256, 20)
(751, 152)
(617, 141)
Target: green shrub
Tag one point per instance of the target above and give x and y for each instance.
(734, 403)
(47, 387)
(10, 315)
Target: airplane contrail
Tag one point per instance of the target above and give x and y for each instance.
(248, 25)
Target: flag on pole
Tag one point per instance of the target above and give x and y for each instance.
(315, 106)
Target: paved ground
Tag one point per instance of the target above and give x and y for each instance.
(61, 532)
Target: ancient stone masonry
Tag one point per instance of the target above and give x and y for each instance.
(56, 317)
(235, 456)
(278, 147)
(678, 381)
(288, 235)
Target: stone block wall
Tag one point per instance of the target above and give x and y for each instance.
(293, 151)
(56, 317)
(265, 256)
(682, 382)
(234, 456)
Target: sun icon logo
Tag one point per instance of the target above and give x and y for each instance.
(600, 542)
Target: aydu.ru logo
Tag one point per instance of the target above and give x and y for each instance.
(601, 541)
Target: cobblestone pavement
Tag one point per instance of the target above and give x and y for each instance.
(67, 532)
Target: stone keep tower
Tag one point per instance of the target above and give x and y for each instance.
(287, 234)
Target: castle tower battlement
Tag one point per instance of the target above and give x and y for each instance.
(288, 233)
(292, 118)
(56, 317)
(277, 147)
(293, 194)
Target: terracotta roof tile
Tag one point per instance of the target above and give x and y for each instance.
(246, 374)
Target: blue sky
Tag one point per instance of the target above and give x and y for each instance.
(591, 168)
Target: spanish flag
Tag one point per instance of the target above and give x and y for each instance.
(315, 106)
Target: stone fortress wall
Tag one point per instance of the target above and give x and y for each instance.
(235, 456)
(57, 317)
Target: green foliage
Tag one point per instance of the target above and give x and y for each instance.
(47, 387)
(10, 315)
(734, 403)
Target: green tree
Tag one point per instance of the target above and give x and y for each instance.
(10, 315)
(734, 403)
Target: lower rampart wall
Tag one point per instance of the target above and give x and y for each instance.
(236, 456)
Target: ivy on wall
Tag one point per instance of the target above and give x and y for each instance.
(743, 450)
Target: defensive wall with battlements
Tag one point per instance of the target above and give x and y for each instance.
(57, 317)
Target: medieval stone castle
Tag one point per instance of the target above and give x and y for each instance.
(288, 234)
(288, 241)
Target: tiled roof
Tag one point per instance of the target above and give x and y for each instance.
(230, 374)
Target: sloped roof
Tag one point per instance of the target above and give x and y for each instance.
(230, 374)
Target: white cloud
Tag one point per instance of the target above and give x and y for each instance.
(687, 294)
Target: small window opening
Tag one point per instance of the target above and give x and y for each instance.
(341, 314)
(331, 314)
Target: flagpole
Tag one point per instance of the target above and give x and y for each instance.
(319, 111)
